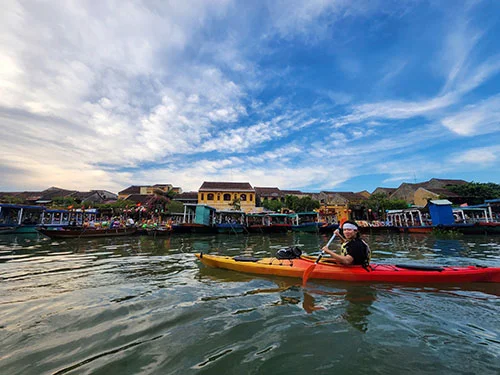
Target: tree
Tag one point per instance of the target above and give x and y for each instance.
(306, 204)
(303, 204)
(175, 207)
(272, 205)
(379, 203)
(236, 203)
(476, 192)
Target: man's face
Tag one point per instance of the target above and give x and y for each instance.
(349, 233)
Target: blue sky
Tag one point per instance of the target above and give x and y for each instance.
(311, 95)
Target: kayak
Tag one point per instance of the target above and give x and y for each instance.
(329, 270)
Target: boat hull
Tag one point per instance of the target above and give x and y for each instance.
(306, 227)
(87, 233)
(374, 273)
(230, 228)
(193, 228)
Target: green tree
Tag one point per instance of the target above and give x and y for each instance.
(272, 205)
(476, 192)
(175, 207)
(236, 203)
(303, 204)
(379, 202)
(306, 204)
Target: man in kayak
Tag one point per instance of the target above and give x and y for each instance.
(354, 250)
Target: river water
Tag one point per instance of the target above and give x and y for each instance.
(143, 305)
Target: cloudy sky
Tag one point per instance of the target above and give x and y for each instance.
(341, 95)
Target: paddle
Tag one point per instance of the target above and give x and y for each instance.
(309, 269)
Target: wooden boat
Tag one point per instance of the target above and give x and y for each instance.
(193, 228)
(7, 229)
(279, 223)
(23, 218)
(197, 218)
(87, 232)
(305, 222)
(328, 270)
(230, 222)
(258, 223)
(159, 231)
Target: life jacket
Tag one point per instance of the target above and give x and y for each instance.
(368, 253)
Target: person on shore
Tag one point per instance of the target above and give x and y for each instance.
(354, 251)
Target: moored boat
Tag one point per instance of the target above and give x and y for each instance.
(159, 231)
(230, 222)
(305, 222)
(87, 232)
(328, 270)
(19, 218)
(197, 218)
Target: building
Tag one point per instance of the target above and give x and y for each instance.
(407, 191)
(385, 191)
(147, 190)
(340, 206)
(423, 195)
(227, 195)
(268, 194)
(188, 197)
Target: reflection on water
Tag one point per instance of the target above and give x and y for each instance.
(143, 305)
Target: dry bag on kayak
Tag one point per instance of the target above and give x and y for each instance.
(289, 253)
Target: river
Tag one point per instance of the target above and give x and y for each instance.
(144, 305)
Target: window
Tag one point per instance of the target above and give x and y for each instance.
(202, 196)
(218, 197)
(227, 197)
(251, 197)
(210, 197)
(243, 197)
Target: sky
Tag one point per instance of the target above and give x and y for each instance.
(314, 95)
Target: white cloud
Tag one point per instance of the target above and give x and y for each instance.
(479, 157)
(474, 119)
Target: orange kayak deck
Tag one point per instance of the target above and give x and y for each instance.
(328, 270)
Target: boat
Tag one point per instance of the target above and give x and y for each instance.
(61, 218)
(197, 218)
(306, 222)
(328, 270)
(19, 218)
(7, 229)
(258, 222)
(79, 232)
(159, 231)
(279, 223)
(230, 222)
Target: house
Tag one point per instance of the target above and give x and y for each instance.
(296, 193)
(189, 197)
(227, 195)
(384, 190)
(340, 198)
(94, 196)
(335, 205)
(147, 190)
(269, 194)
(406, 191)
(423, 195)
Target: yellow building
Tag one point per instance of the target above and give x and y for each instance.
(147, 190)
(227, 195)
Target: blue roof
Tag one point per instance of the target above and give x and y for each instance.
(9, 205)
(492, 200)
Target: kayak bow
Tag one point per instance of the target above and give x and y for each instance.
(328, 270)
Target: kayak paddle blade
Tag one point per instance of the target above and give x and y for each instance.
(307, 272)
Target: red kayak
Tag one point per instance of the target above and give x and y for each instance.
(328, 270)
